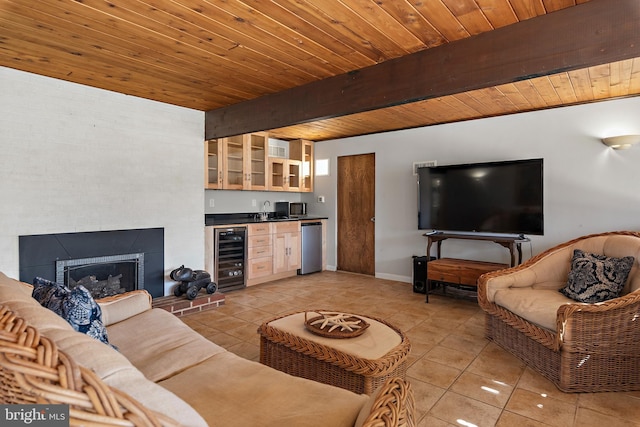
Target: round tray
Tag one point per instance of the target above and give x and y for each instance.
(337, 332)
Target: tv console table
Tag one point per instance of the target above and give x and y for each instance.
(462, 272)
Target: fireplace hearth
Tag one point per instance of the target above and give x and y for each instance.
(91, 257)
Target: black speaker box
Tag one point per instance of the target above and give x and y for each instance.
(420, 274)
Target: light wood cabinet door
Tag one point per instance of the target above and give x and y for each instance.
(258, 164)
(286, 247)
(280, 253)
(277, 175)
(302, 150)
(286, 252)
(234, 167)
(295, 252)
(213, 164)
(237, 162)
(294, 175)
(285, 174)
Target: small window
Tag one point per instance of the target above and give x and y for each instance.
(322, 167)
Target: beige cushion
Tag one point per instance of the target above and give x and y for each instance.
(159, 344)
(373, 344)
(155, 397)
(17, 296)
(539, 306)
(121, 307)
(115, 370)
(24, 288)
(365, 411)
(88, 352)
(228, 390)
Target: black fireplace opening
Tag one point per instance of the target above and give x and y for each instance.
(103, 276)
(108, 261)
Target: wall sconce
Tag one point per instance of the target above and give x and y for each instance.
(621, 142)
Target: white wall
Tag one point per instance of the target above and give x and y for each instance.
(588, 187)
(230, 201)
(76, 158)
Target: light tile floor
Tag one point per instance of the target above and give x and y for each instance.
(458, 377)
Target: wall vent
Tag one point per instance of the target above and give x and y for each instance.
(276, 151)
(424, 164)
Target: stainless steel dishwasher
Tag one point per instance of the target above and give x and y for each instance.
(311, 242)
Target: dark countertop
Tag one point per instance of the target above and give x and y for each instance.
(250, 218)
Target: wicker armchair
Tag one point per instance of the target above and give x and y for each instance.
(394, 405)
(594, 347)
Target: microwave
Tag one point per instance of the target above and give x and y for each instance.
(290, 209)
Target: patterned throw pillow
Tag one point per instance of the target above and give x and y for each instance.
(76, 306)
(596, 278)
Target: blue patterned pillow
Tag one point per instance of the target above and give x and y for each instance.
(76, 306)
(596, 278)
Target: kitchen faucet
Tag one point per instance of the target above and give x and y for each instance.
(264, 214)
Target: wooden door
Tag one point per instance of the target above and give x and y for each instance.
(356, 213)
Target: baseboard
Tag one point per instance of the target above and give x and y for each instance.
(394, 277)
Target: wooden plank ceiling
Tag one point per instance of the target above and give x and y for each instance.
(211, 54)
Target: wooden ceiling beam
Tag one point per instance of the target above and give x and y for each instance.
(593, 33)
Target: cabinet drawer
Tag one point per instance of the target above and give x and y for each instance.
(286, 227)
(441, 276)
(260, 267)
(261, 228)
(260, 240)
(260, 251)
(458, 271)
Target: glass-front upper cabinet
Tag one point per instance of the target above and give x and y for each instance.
(237, 162)
(294, 175)
(285, 174)
(234, 170)
(258, 167)
(302, 150)
(213, 164)
(277, 172)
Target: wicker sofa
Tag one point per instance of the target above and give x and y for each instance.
(163, 373)
(580, 347)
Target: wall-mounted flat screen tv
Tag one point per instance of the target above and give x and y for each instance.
(495, 197)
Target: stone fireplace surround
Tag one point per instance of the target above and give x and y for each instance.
(38, 253)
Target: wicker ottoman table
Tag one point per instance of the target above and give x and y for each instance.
(359, 364)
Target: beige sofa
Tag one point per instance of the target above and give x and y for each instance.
(164, 373)
(580, 347)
